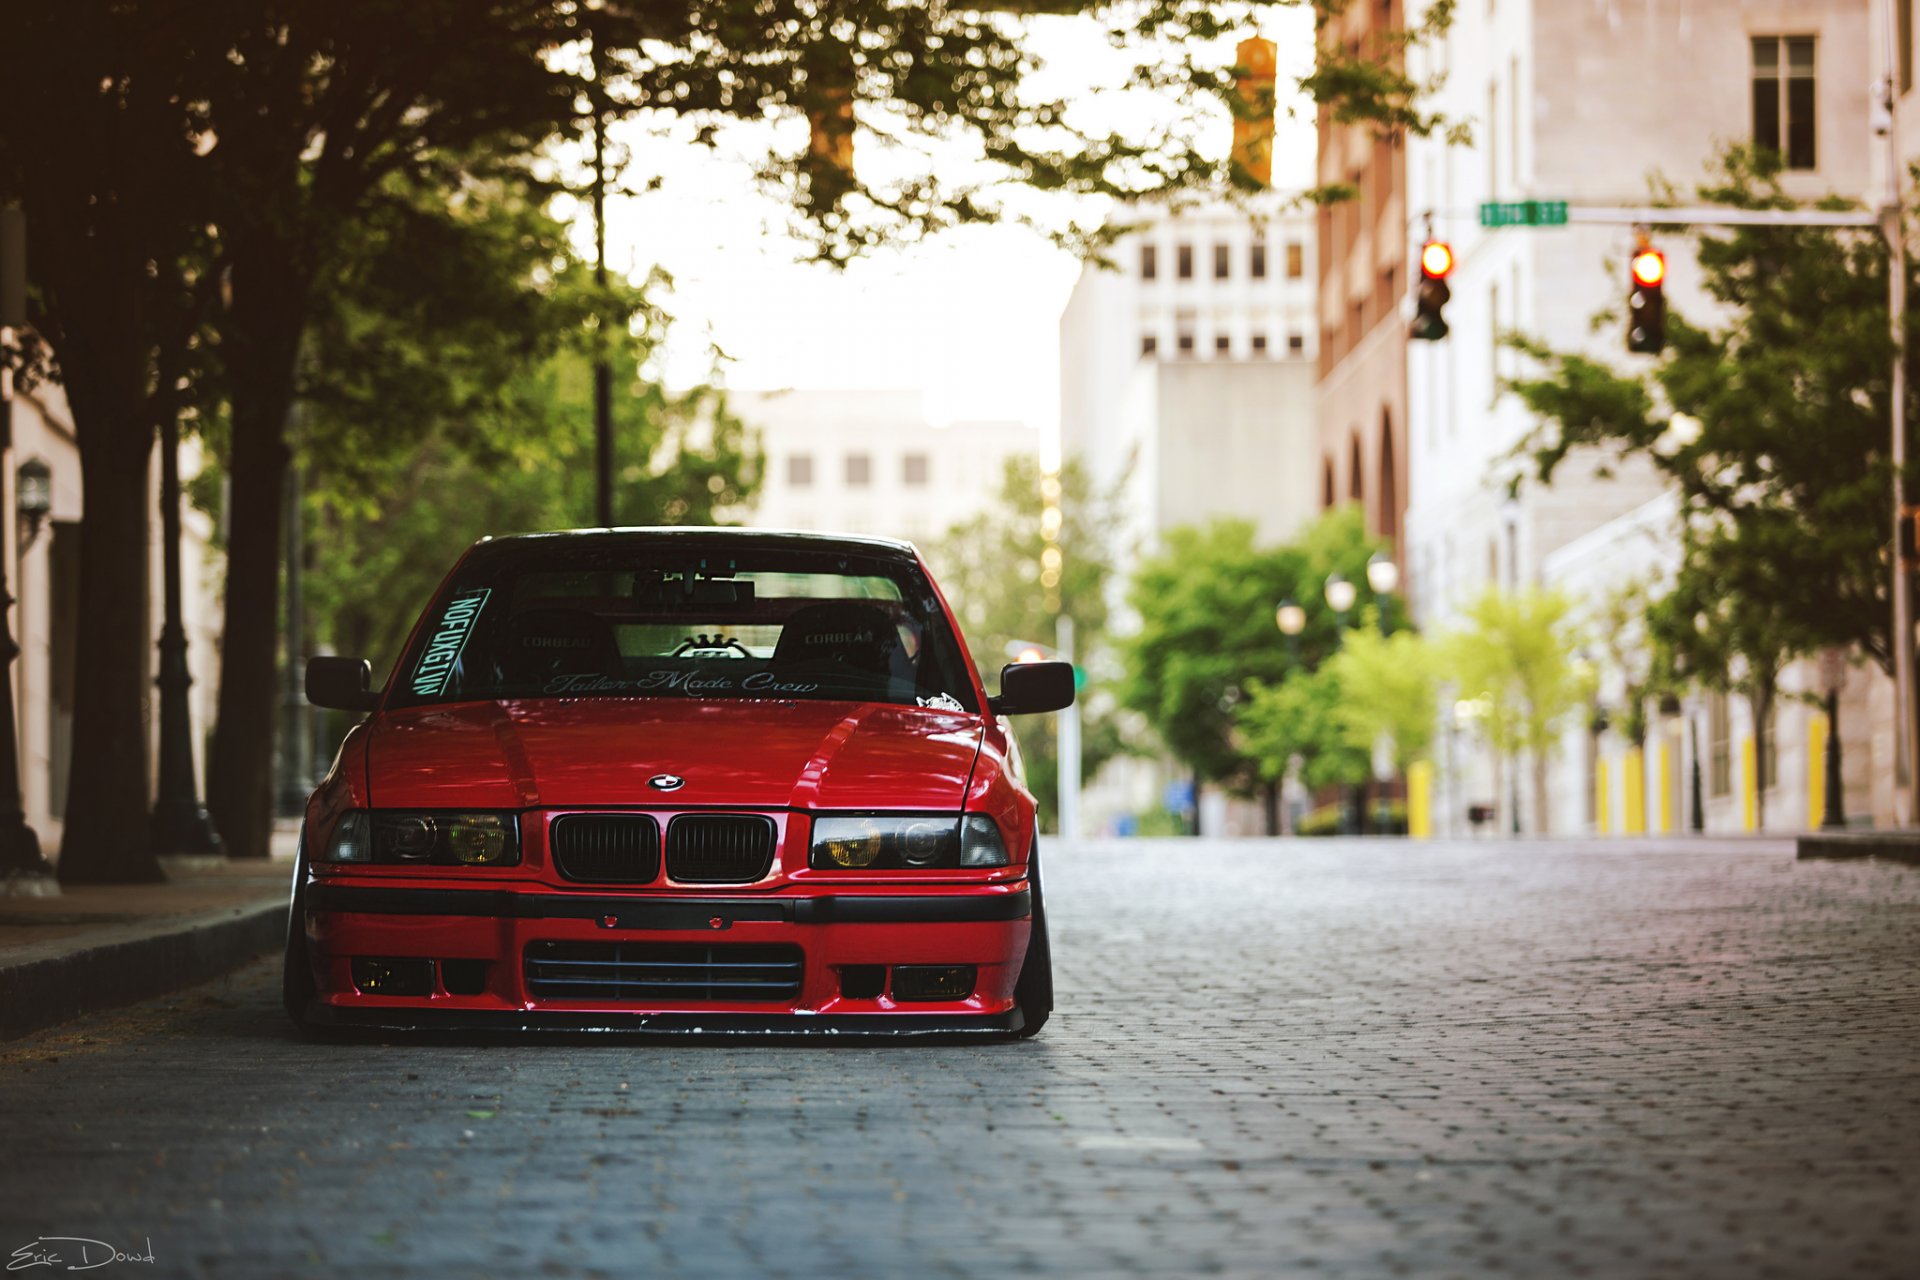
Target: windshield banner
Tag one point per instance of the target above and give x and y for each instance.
(449, 639)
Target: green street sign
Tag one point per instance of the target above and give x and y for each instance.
(1524, 213)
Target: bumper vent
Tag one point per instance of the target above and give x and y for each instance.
(728, 848)
(664, 971)
(606, 848)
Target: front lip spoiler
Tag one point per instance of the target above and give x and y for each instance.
(675, 912)
(725, 1026)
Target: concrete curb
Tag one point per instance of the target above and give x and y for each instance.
(53, 982)
(1894, 846)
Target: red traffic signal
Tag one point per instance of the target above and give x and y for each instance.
(1431, 294)
(1647, 301)
(1649, 268)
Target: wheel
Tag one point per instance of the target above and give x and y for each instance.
(1033, 991)
(297, 987)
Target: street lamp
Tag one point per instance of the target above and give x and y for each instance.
(1383, 575)
(32, 498)
(1290, 617)
(1341, 594)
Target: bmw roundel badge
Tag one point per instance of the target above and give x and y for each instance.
(666, 782)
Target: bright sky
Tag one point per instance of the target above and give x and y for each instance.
(969, 318)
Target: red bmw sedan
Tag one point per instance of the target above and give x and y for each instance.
(658, 780)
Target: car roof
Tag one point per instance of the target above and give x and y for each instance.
(795, 539)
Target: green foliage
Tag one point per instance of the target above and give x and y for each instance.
(990, 569)
(1206, 605)
(1785, 489)
(449, 396)
(1514, 655)
(1388, 689)
(1302, 718)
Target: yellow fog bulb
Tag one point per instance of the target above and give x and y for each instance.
(856, 850)
(477, 840)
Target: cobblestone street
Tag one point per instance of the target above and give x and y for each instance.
(1270, 1059)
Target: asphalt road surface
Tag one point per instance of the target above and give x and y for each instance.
(1270, 1059)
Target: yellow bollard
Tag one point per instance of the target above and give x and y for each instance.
(1749, 785)
(1816, 771)
(1633, 792)
(1420, 799)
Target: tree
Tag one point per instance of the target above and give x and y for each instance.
(1388, 692)
(1206, 606)
(1300, 719)
(98, 156)
(1715, 629)
(1513, 655)
(1772, 425)
(271, 132)
(990, 568)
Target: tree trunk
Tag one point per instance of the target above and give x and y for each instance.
(1272, 804)
(1760, 703)
(105, 836)
(1540, 793)
(1500, 797)
(262, 339)
(92, 292)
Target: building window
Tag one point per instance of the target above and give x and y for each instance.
(1183, 261)
(1259, 343)
(913, 469)
(859, 470)
(1719, 746)
(1783, 97)
(1149, 262)
(1148, 344)
(1222, 261)
(1296, 342)
(1222, 343)
(799, 470)
(1257, 260)
(1185, 343)
(1296, 260)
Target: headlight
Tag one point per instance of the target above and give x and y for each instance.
(913, 842)
(435, 838)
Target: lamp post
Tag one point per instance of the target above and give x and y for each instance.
(180, 823)
(1383, 575)
(1341, 594)
(19, 843)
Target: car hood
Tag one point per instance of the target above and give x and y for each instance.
(585, 752)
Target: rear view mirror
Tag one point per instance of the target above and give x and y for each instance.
(1027, 688)
(344, 684)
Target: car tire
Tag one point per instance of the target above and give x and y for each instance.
(297, 987)
(1033, 991)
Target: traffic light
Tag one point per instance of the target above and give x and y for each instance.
(1647, 303)
(1436, 262)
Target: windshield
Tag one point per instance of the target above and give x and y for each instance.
(677, 618)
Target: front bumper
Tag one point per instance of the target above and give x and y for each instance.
(489, 931)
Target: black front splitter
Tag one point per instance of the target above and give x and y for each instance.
(867, 1028)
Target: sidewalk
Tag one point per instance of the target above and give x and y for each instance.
(98, 946)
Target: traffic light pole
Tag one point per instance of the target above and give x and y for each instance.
(1890, 221)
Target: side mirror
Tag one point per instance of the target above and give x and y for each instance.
(344, 684)
(1030, 687)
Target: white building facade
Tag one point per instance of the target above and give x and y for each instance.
(1187, 387)
(873, 462)
(1590, 103)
